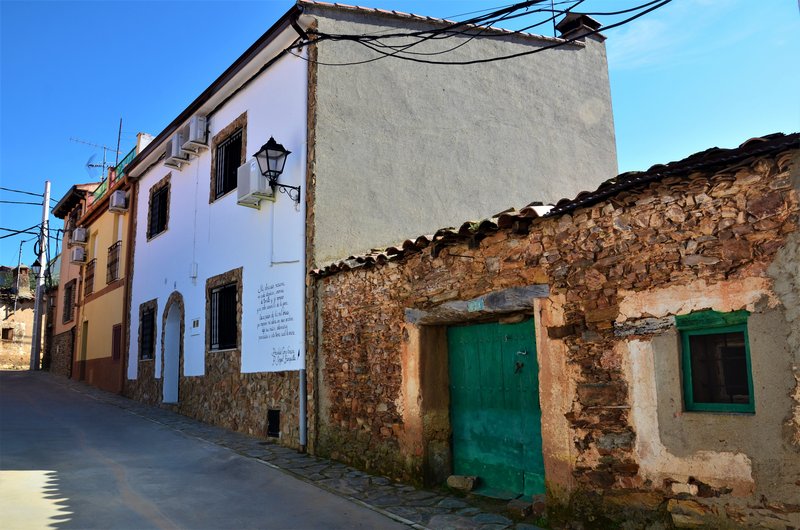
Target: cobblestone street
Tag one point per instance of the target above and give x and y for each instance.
(371, 495)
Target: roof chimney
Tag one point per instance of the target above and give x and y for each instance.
(21, 279)
(577, 25)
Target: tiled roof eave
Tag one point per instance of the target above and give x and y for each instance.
(710, 160)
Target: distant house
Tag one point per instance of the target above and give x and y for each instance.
(221, 313)
(633, 353)
(16, 312)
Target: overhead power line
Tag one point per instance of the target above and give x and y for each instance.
(17, 232)
(21, 202)
(470, 28)
(21, 191)
(26, 193)
(27, 231)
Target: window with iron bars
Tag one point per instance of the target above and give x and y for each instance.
(223, 317)
(228, 160)
(69, 301)
(147, 344)
(88, 282)
(112, 266)
(159, 208)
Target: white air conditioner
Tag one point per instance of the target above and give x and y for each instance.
(78, 255)
(118, 202)
(251, 185)
(173, 156)
(79, 236)
(194, 137)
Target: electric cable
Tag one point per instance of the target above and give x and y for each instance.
(21, 202)
(363, 39)
(23, 192)
(17, 232)
(658, 5)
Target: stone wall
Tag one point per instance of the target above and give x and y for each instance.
(702, 241)
(61, 353)
(17, 326)
(226, 397)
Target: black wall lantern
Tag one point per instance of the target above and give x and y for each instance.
(271, 159)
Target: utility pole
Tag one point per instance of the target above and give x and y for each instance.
(19, 268)
(36, 336)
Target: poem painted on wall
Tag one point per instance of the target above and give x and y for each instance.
(276, 322)
(275, 314)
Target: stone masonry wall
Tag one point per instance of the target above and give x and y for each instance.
(226, 397)
(61, 352)
(725, 227)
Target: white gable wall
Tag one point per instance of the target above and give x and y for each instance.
(268, 243)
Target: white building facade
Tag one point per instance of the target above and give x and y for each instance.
(221, 309)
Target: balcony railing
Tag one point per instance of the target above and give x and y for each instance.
(112, 269)
(88, 281)
(100, 190)
(120, 170)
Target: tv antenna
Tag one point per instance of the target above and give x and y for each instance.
(105, 149)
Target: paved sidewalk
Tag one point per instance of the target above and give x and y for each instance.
(417, 508)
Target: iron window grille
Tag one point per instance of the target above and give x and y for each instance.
(112, 265)
(159, 208)
(69, 301)
(717, 375)
(228, 160)
(147, 345)
(223, 317)
(88, 283)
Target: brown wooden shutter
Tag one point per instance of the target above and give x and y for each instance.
(116, 341)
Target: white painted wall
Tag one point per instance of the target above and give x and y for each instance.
(268, 243)
(419, 147)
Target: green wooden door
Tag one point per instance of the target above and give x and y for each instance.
(494, 406)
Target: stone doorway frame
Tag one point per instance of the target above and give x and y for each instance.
(425, 366)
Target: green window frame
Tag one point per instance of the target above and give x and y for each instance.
(702, 323)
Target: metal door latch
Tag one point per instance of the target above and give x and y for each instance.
(518, 367)
(522, 352)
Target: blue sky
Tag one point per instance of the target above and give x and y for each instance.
(694, 74)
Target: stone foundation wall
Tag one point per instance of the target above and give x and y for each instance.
(226, 397)
(713, 236)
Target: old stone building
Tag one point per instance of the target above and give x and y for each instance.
(633, 353)
(16, 318)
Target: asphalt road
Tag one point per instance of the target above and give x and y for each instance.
(69, 461)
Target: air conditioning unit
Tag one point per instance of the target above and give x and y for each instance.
(251, 185)
(173, 156)
(79, 236)
(194, 135)
(78, 255)
(118, 202)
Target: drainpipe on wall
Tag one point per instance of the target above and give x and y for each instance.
(303, 412)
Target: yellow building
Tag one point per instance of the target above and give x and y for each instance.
(102, 317)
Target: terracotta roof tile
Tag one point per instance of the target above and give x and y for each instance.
(434, 20)
(708, 160)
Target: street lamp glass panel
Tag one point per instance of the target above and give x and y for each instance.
(271, 159)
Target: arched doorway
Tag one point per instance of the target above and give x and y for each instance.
(173, 348)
